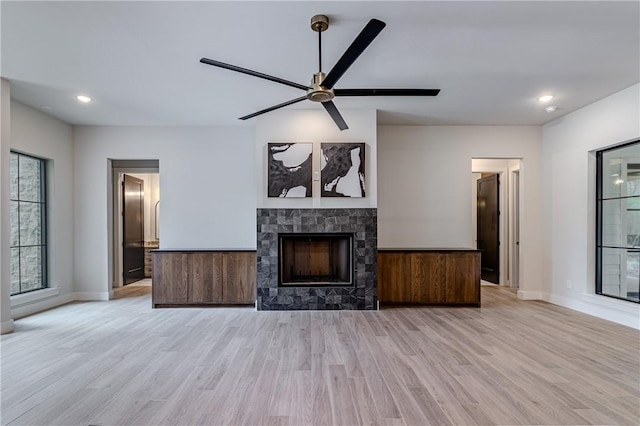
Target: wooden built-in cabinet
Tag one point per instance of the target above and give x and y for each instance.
(203, 277)
(429, 277)
(148, 258)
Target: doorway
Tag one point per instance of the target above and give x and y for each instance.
(498, 179)
(135, 218)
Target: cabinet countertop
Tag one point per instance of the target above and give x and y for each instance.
(202, 250)
(433, 249)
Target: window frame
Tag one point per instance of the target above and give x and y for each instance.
(44, 241)
(599, 246)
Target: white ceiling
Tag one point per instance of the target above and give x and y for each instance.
(139, 61)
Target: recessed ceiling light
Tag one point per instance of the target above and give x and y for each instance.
(551, 108)
(545, 98)
(84, 99)
(46, 107)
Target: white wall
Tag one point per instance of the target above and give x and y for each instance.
(207, 182)
(316, 126)
(38, 134)
(424, 196)
(569, 200)
(6, 322)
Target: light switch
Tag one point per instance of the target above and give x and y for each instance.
(316, 176)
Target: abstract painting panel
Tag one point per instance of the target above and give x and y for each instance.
(342, 167)
(290, 169)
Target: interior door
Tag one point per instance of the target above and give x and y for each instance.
(132, 229)
(489, 228)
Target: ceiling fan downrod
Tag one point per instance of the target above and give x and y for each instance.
(317, 93)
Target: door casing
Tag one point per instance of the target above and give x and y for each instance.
(116, 168)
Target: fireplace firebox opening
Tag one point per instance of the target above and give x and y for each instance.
(315, 260)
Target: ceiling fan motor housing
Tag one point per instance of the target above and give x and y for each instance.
(319, 23)
(318, 93)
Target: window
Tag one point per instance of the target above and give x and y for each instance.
(28, 224)
(618, 222)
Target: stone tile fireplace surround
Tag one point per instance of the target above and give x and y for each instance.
(361, 222)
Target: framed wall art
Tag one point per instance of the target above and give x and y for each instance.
(290, 166)
(342, 170)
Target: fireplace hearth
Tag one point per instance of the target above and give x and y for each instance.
(318, 238)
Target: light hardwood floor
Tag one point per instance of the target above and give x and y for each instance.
(509, 362)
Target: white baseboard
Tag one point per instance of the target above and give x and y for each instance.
(6, 326)
(34, 306)
(529, 295)
(38, 301)
(610, 309)
(92, 295)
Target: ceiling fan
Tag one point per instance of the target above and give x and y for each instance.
(321, 88)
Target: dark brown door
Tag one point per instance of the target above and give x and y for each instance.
(132, 229)
(488, 227)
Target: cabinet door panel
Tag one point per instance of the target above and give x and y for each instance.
(170, 278)
(394, 272)
(205, 278)
(427, 278)
(239, 285)
(463, 278)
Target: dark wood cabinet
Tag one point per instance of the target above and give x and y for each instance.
(170, 283)
(394, 269)
(429, 277)
(203, 277)
(462, 278)
(239, 285)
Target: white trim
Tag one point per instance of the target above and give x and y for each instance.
(530, 295)
(611, 303)
(93, 295)
(607, 308)
(514, 220)
(42, 304)
(33, 296)
(26, 304)
(6, 327)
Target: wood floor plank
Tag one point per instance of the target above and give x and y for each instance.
(320, 409)
(366, 406)
(429, 406)
(343, 408)
(384, 402)
(408, 407)
(509, 362)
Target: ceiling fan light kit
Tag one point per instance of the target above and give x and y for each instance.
(321, 89)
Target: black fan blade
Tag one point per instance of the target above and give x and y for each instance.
(386, 92)
(335, 114)
(253, 73)
(284, 104)
(364, 39)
